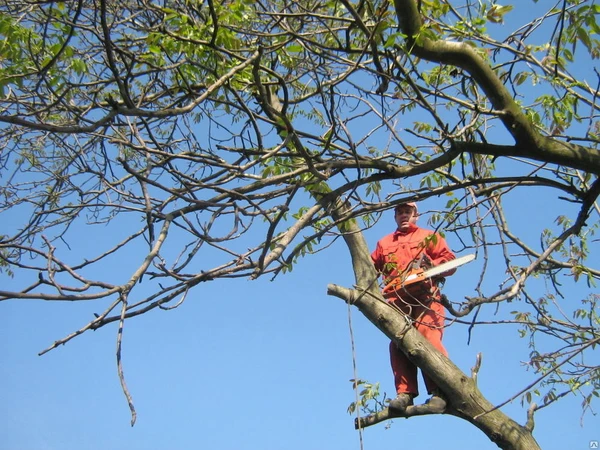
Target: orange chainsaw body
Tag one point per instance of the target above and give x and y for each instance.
(399, 283)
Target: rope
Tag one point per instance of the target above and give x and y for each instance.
(354, 370)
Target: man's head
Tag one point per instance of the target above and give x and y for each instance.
(405, 214)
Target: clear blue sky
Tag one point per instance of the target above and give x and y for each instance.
(244, 365)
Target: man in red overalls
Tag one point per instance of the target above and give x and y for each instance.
(395, 255)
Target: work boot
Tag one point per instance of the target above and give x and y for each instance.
(436, 404)
(401, 402)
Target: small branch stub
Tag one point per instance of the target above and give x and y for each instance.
(476, 367)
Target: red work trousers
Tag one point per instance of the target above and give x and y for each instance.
(429, 321)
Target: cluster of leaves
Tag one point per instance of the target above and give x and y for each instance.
(370, 399)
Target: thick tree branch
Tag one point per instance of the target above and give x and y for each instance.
(529, 142)
(388, 414)
(574, 156)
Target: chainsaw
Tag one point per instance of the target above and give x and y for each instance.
(418, 274)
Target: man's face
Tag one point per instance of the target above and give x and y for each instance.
(405, 215)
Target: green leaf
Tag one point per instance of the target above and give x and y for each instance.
(521, 77)
(294, 48)
(496, 13)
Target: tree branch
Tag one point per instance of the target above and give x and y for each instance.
(530, 143)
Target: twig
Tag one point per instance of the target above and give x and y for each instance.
(119, 362)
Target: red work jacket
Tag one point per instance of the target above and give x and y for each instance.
(397, 251)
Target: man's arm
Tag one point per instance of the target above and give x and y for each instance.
(377, 257)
